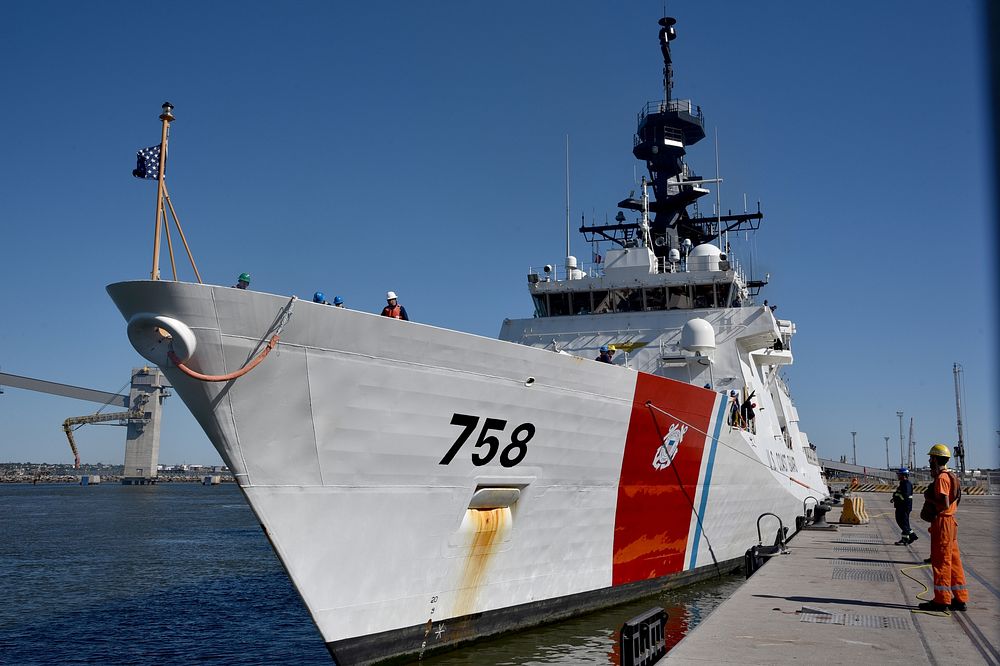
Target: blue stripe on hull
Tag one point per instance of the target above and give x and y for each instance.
(720, 417)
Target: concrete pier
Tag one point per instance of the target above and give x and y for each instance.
(845, 597)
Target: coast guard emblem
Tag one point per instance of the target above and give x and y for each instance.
(671, 442)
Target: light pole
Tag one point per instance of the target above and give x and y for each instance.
(887, 452)
(854, 445)
(900, 415)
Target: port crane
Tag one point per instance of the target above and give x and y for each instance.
(135, 415)
(143, 404)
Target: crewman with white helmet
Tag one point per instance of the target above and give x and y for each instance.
(393, 308)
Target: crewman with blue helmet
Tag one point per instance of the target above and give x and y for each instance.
(338, 301)
(902, 499)
(607, 354)
(320, 297)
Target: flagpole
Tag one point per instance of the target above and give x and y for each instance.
(166, 117)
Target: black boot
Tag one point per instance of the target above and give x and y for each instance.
(901, 542)
(932, 606)
(957, 605)
(913, 537)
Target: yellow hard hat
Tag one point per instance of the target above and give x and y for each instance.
(611, 348)
(939, 450)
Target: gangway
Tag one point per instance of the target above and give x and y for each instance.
(145, 400)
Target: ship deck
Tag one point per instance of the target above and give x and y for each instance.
(858, 577)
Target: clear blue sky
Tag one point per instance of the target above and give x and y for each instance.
(360, 147)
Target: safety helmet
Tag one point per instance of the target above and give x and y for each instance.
(337, 300)
(319, 297)
(903, 470)
(611, 348)
(244, 277)
(390, 295)
(939, 450)
(604, 348)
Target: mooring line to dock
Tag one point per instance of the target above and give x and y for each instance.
(680, 485)
(731, 448)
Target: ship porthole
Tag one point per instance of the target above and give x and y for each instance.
(529, 381)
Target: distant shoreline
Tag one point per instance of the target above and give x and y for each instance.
(110, 478)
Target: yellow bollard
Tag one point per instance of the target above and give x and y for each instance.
(854, 512)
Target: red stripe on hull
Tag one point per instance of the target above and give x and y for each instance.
(657, 484)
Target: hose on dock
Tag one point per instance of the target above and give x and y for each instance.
(924, 591)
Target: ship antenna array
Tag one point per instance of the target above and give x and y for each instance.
(718, 194)
(567, 195)
(162, 196)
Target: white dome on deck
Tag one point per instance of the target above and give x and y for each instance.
(705, 249)
(704, 257)
(698, 336)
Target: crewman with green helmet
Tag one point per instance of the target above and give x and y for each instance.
(243, 281)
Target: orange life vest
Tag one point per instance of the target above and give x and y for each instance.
(392, 311)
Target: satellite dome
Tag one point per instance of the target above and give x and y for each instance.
(704, 257)
(698, 336)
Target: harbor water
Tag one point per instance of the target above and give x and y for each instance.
(175, 573)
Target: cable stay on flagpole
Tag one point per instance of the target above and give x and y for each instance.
(170, 244)
(151, 163)
(180, 231)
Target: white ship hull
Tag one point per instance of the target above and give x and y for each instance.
(340, 441)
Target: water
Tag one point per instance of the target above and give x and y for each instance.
(175, 573)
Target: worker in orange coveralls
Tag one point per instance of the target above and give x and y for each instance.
(943, 496)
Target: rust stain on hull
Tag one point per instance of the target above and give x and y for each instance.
(485, 526)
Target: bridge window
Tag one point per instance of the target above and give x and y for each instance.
(541, 306)
(559, 305)
(603, 302)
(629, 300)
(704, 295)
(678, 297)
(656, 299)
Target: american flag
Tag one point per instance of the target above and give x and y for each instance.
(147, 163)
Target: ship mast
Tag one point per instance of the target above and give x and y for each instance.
(667, 35)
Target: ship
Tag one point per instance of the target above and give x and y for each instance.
(425, 488)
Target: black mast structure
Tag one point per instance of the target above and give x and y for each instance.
(664, 130)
